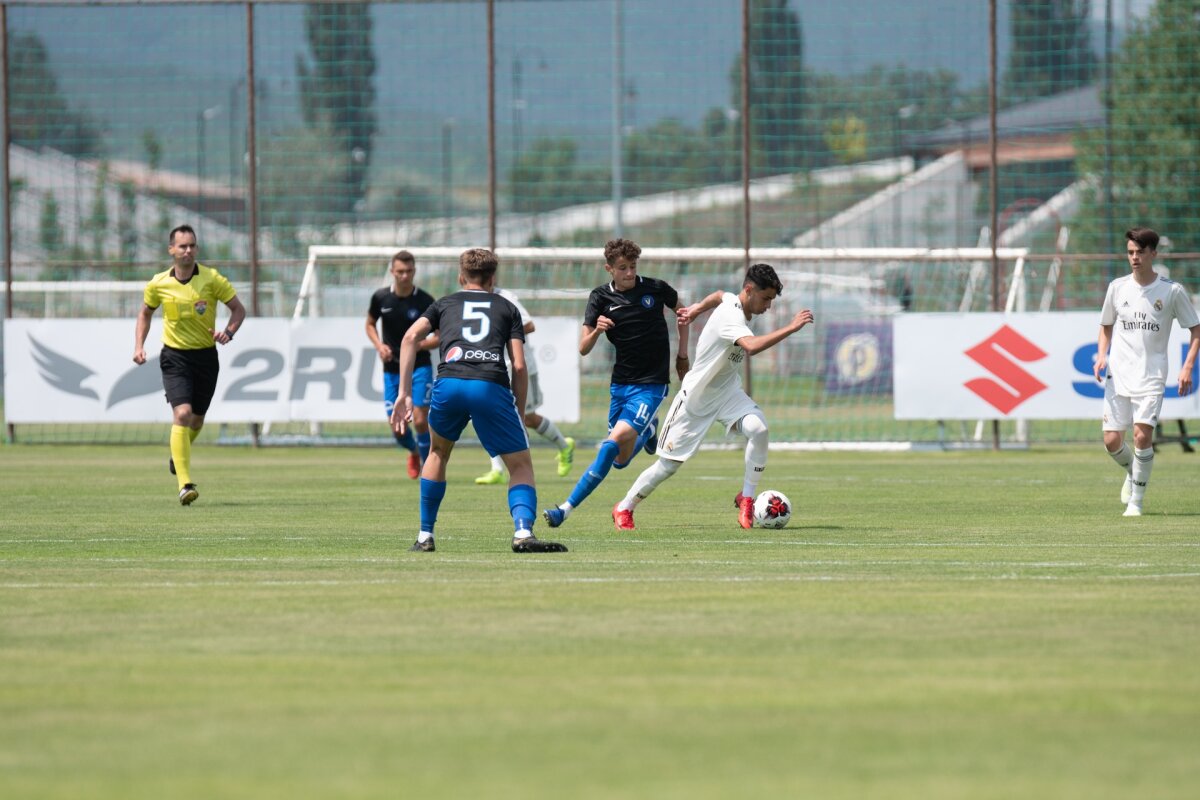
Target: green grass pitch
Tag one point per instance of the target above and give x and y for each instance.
(931, 625)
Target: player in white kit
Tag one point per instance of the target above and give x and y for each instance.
(1136, 321)
(712, 391)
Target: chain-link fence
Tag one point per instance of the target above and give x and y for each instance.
(271, 126)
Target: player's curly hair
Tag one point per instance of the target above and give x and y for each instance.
(618, 248)
(763, 276)
(477, 264)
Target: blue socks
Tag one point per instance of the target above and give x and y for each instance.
(522, 504)
(432, 493)
(423, 445)
(405, 439)
(595, 474)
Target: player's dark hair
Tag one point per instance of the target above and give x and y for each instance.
(188, 229)
(1143, 237)
(618, 248)
(477, 265)
(404, 257)
(763, 276)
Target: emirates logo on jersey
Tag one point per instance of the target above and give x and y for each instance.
(201, 306)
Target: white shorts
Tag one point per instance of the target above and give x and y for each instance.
(683, 432)
(1121, 413)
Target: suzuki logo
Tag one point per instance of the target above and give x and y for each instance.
(995, 354)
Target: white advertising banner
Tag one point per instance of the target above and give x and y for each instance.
(1010, 366)
(277, 370)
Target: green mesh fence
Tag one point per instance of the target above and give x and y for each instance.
(868, 128)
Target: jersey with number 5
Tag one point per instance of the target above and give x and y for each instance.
(475, 327)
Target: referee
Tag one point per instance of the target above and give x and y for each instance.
(188, 293)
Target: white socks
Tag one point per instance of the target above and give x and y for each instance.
(1123, 457)
(754, 428)
(648, 481)
(1143, 462)
(550, 431)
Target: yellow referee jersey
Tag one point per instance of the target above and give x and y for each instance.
(189, 309)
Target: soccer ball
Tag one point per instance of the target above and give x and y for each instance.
(772, 509)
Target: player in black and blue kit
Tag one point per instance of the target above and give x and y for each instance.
(630, 311)
(395, 308)
(475, 327)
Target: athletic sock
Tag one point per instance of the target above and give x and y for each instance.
(522, 504)
(754, 428)
(550, 431)
(432, 493)
(193, 433)
(1143, 462)
(596, 472)
(647, 482)
(181, 452)
(405, 439)
(1123, 457)
(423, 446)
(497, 464)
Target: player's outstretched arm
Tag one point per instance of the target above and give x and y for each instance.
(688, 314)
(756, 344)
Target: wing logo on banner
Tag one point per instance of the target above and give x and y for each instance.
(68, 375)
(64, 374)
(995, 354)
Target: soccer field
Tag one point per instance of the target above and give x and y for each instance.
(932, 625)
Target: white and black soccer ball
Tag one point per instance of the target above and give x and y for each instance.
(772, 509)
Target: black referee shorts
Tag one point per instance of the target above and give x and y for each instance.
(190, 376)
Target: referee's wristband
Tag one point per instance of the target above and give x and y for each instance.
(682, 358)
(229, 333)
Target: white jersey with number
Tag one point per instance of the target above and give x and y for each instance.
(1141, 318)
(530, 360)
(717, 373)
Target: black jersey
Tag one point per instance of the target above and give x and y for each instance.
(640, 330)
(475, 327)
(397, 314)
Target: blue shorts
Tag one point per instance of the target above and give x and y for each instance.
(422, 388)
(635, 403)
(490, 406)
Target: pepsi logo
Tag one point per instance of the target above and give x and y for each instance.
(454, 354)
